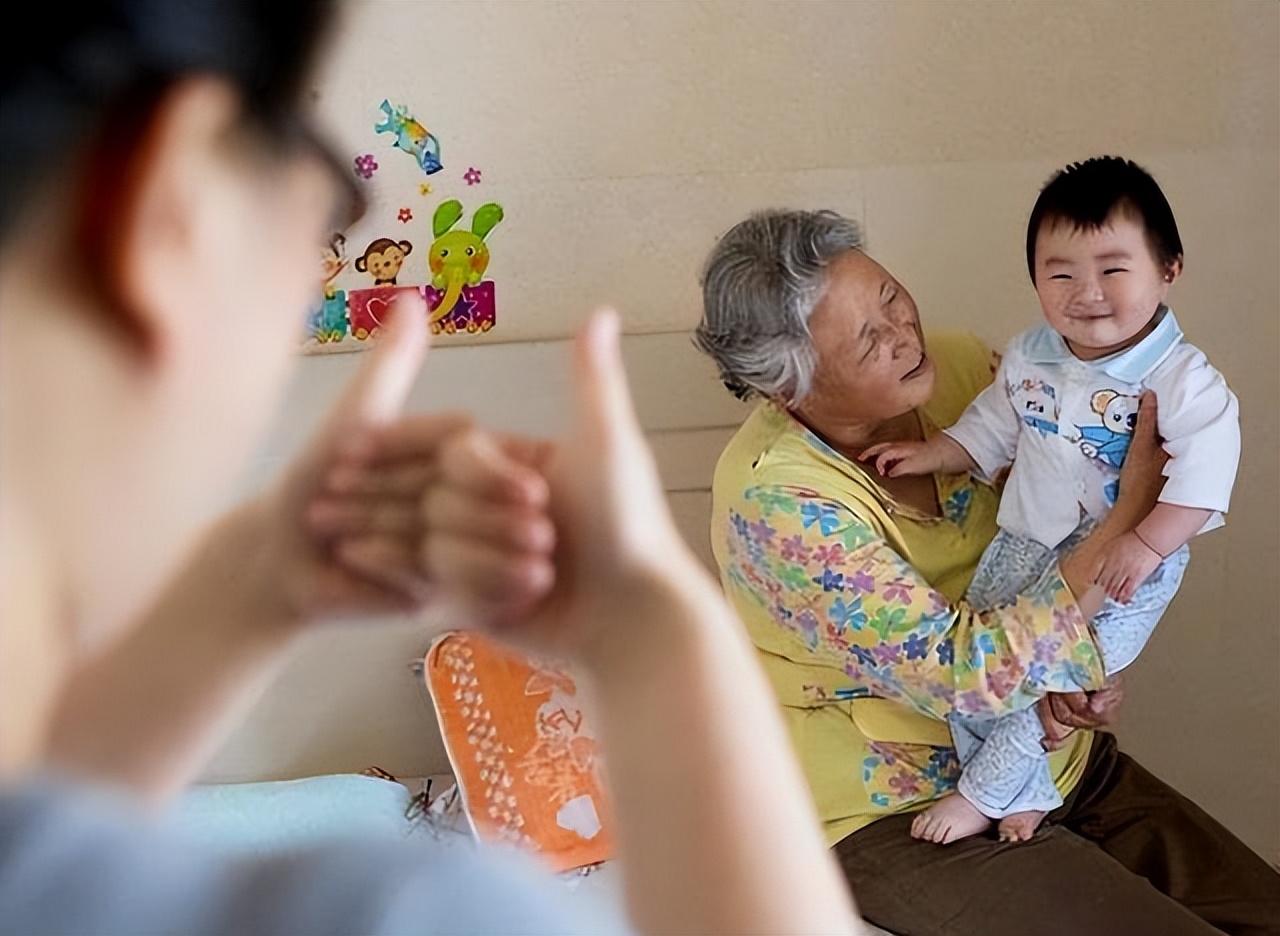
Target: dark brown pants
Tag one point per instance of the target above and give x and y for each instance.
(1125, 854)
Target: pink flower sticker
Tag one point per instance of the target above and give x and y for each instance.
(471, 176)
(366, 166)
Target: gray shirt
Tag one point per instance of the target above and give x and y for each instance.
(79, 860)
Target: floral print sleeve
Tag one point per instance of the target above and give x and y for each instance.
(851, 603)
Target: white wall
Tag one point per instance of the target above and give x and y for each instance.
(622, 138)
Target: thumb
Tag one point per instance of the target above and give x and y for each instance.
(605, 412)
(374, 397)
(1148, 414)
(377, 393)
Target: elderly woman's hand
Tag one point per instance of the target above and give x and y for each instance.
(1142, 475)
(1061, 713)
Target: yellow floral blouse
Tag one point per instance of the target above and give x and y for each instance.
(855, 604)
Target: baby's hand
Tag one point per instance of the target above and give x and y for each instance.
(1125, 564)
(896, 459)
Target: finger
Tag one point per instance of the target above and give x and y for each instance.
(1058, 737)
(402, 479)
(479, 572)
(361, 516)
(413, 437)
(514, 528)
(475, 462)
(1065, 705)
(1111, 583)
(1148, 415)
(1105, 699)
(1097, 576)
(391, 563)
(875, 450)
(1122, 587)
(376, 395)
(605, 408)
(338, 587)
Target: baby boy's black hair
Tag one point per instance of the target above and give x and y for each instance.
(1086, 194)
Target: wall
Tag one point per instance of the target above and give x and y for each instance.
(623, 138)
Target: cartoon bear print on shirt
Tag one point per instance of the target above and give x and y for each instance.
(1109, 442)
(1036, 404)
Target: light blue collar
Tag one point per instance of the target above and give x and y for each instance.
(1046, 346)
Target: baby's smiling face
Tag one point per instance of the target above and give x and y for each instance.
(1100, 288)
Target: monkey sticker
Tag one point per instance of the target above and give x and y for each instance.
(382, 260)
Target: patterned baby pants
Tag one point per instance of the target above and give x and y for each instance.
(1005, 768)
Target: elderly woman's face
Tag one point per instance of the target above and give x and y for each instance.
(872, 364)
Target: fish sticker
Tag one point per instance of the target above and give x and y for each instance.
(411, 136)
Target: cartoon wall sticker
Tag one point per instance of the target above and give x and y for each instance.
(333, 259)
(1036, 403)
(475, 310)
(1109, 442)
(411, 136)
(458, 259)
(366, 308)
(382, 260)
(328, 322)
(459, 299)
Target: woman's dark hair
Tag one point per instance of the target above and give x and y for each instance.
(1085, 194)
(65, 86)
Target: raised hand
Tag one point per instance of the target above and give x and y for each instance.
(1125, 564)
(898, 459)
(301, 520)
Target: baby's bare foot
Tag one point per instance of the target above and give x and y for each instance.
(949, 820)
(1020, 826)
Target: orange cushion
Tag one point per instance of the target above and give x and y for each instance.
(526, 761)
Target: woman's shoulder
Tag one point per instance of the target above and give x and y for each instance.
(769, 449)
(772, 451)
(964, 365)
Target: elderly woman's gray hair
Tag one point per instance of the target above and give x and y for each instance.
(759, 287)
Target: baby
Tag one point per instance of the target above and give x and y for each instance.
(1103, 250)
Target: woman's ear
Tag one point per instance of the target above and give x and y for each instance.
(145, 195)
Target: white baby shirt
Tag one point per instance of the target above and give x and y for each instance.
(1065, 425)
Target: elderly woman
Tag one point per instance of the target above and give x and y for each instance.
(851, 586)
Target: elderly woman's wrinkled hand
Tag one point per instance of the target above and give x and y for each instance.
(1061, 713)
(1142, 475)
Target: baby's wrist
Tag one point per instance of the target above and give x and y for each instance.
(1137, 534)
